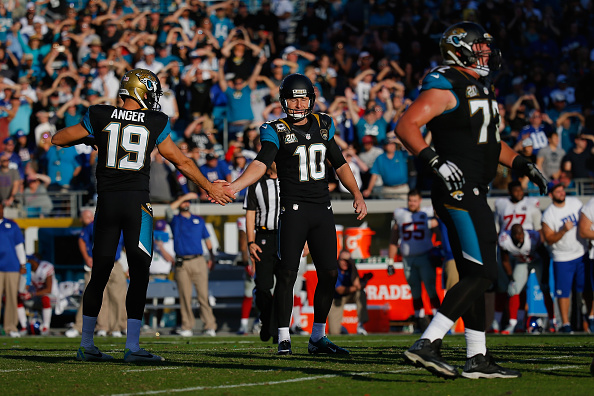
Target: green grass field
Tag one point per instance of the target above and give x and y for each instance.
(236, 365)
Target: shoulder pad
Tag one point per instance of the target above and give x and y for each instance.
(438, 78)
(279, 126)
(325, 120)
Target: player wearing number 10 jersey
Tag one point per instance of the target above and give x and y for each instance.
(300, 145)
(125, 137)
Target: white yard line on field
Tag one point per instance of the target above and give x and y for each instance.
(558, 368)
(12, 370)
(548, 358)
(198, 388)
(152, 369)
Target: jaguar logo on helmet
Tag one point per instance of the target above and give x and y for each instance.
(147, 80)
(455, 37)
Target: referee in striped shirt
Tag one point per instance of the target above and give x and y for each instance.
(262, 209)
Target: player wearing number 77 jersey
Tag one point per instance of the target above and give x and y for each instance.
(457, 103)
(125, 137)
(517, 209)
(300, 144)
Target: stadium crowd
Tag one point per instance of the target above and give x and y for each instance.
(220, 64)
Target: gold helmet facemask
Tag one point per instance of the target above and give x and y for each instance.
(143, 86)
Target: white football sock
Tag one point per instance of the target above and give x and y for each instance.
(438, 327)
(284, 334)
(475, 342)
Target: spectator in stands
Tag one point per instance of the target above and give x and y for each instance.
(579, 161)
(35, 198)
(12, 258)
(191, 268)
(62, 167)
(10, 181)
(43, 126)
(238, 94)
(549, 157)
(392, 167)
(374, 121)
(350, 288)
(569, 125)
(23, 148)
(148, 60)
(358, 167)
(106, 83)
(15, 159)
(41, 295)
(539, 126)
(214, 169)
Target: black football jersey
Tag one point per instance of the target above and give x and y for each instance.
(467, 135)
(125, 140)
(301, 157)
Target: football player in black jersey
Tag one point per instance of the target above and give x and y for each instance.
(300, 144)
(125, 137)
(457, 103)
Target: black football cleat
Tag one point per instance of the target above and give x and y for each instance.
(324, 345)
(427, 354)
(284, 348)
(484, 366)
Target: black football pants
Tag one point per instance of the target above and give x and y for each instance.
(473, 239)
(130, 212)
(298, 223)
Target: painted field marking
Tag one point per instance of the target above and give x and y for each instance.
(197, 388)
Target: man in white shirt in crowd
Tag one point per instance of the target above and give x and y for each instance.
(559, 226)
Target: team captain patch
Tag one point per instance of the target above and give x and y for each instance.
(290, 138)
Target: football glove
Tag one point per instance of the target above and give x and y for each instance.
(447, 171)
(527, 168)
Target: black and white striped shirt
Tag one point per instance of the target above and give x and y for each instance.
(263, 197)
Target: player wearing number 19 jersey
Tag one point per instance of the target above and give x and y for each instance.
(125, 137)
(457, 103)
(300, 145)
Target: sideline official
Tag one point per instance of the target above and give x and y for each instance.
(262, 208)
(191, 268)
